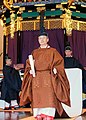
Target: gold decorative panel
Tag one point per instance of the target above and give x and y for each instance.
(37, 25)
(82, 26)
(49, 24)
(15, 26)
(1, 46)
(74, 25)
(27, 25)
(78, 25)
(46, 24)
(8, 30)
(54, 24)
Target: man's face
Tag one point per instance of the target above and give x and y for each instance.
(43, 40)
(68, 53)
(9, 62)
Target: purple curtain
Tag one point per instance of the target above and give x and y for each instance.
(12, 48)
(78, 44)
(30, 42)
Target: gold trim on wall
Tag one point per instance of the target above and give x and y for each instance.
(1, 45)
(49, 24)
(78, 25)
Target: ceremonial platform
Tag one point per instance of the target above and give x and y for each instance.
(26, 114)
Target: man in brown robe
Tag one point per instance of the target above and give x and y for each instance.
(50, 85)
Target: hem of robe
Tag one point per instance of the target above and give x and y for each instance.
(50, 111)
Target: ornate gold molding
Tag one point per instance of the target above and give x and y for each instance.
(12, 24)
(1, 45)
(67, 21)
(78, 25)
(8, 3)
(49, 24)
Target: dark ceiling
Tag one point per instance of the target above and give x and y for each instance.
(78, 6)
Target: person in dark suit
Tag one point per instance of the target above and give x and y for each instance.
(11, 85)
(71, 62)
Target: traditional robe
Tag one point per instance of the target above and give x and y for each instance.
(11, 84)
(46, 89)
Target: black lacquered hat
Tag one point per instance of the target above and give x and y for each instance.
(7, 57)
(68, 48)
(43, 34)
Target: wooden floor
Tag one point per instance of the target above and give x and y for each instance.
(26, 114)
